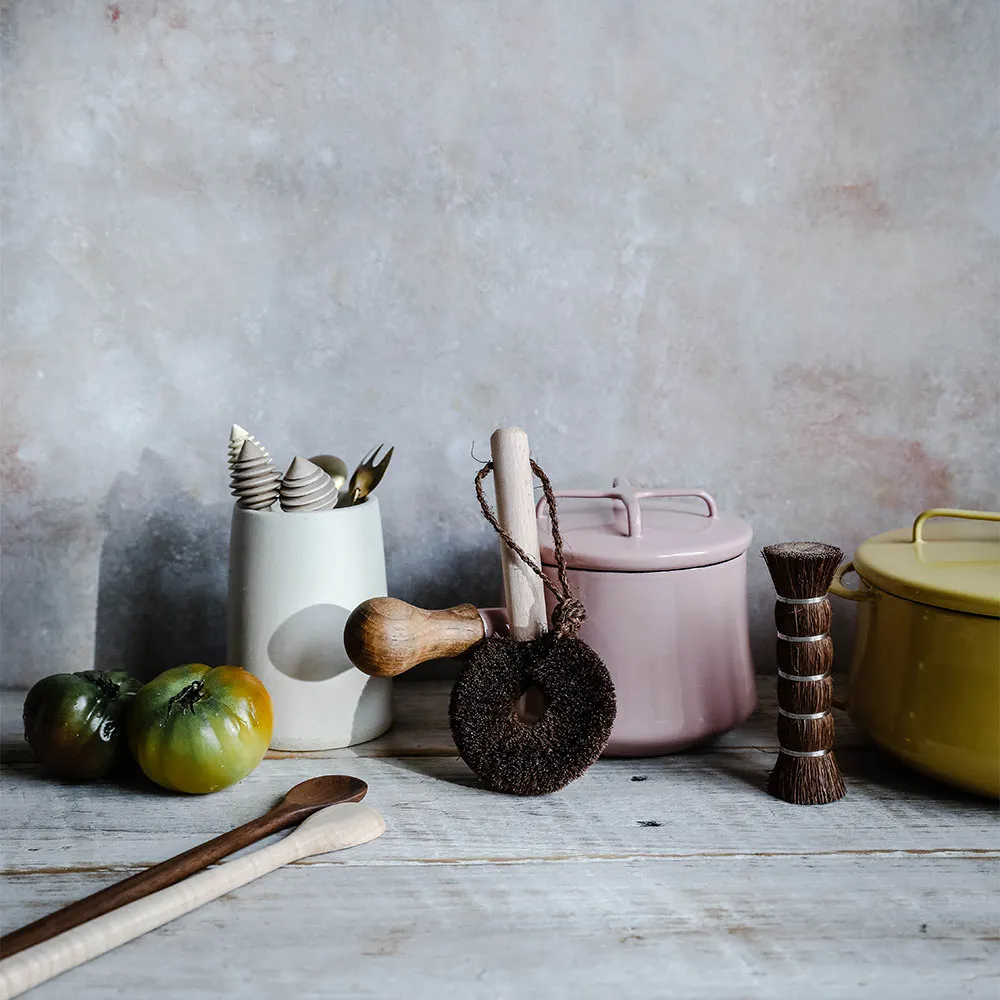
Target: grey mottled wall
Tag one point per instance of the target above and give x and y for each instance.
(745, 245)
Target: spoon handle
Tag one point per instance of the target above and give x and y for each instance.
(145, 882)
(348, 825)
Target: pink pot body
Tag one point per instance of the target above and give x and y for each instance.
(676, 644)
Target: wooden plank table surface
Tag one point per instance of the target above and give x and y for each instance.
(661, 877)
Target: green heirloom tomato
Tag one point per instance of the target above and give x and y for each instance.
(198, 729)
(75, 723)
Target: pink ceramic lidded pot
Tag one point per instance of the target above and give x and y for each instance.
(665, 592)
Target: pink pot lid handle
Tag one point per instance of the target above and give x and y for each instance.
(623, 490)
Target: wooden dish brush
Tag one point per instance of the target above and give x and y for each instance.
(531, 709)
(573, 692)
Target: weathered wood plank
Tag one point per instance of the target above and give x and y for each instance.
(689, 881)
(421, 726)
(832, 927)
(686, 804)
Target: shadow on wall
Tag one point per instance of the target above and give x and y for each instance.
(308, 646)
(443, 579)
(471, 576)
(161, 597)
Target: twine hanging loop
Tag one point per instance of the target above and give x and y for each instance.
(568, 614)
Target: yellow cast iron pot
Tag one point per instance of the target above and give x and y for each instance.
(924, 681)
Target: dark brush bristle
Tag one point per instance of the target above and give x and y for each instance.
(803, 619)
(802, 569)
(510, 755)
(805, 659)
(806, 781)
(805, 697)
(806, 734)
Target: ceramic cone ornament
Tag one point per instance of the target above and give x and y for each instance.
(255, 480)
(306, 486)
(237, 435)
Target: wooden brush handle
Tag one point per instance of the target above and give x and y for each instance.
(351, 826)
(385, 637)
(512, 481)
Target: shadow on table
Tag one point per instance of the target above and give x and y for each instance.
(18, 763)
(736, 767)
(15, 752)
(452, 770)
(871, 767)
(866, 769)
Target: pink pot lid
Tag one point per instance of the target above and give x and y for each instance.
(612, 531)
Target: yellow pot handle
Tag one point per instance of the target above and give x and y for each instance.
(968, 515)
(839, 590)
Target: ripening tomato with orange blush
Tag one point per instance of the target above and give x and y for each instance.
(198, 729)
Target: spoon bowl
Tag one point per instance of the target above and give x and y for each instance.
(315, 793)
(335, 468)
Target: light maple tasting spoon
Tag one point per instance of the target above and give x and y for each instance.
(301, 801)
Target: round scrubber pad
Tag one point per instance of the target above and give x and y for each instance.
(525, 758)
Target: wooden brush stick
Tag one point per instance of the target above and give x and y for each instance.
(512, 480)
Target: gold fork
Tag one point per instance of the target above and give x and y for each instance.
(366, 477)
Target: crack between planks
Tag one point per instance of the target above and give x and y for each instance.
(958, 854)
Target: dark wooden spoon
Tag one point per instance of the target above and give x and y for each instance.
(300, 802)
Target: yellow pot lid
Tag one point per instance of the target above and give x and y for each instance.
(945, 566)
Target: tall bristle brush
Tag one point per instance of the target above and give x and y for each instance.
(806, 771)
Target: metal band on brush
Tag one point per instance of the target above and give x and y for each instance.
(800, 600)
(802, 638)
(803, 677)
(802, 716)
(805, 753)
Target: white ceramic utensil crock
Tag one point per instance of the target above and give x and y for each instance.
(293, 580)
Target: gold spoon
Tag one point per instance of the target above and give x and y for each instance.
(335, 468)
